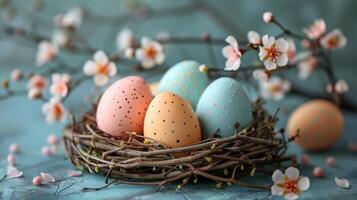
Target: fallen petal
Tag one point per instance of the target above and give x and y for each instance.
(73, 173)
(342, 183)
(47, 178)
(13, 172)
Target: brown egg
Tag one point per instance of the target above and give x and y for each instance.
(171, 120)
(320, 123)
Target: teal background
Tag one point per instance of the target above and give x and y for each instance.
(21, 120)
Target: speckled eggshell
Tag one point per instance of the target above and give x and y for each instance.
(123, 106)
(221, 106)
(320, 123)
(171, 120)
(185, 79)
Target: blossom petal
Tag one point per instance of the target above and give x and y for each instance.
(276, 190)
(253, 37)
(292, 173)
(282, 60)
(73, 173)
(13, 172)
(148, 63)
(304, 183)
(226, 51)
(232, 64)
(291, 196)
(100, 57)
(48, 178)
(160, 58)
(262, 53)
(232, 41)
(269, 65)
(342, 183)
(268, 41)
(89, 68)
(278, 176)
(101, 80)
(282, 45)
(112, 69)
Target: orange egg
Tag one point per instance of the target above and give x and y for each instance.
(320, 124)
(153, 87)
(171, 120)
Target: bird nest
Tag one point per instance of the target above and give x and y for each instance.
(137, 160)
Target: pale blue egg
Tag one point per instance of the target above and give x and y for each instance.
(185, 80)
(221, 106)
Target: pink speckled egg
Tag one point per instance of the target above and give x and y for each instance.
(123, 106)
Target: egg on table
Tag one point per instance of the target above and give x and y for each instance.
(319, 124)
(171, 120)
(185, 79)
(123, 105)
(223, 107)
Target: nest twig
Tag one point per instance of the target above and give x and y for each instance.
(137, 160)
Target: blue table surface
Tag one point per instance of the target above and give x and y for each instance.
(21, 120)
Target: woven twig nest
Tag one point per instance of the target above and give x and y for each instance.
(143, 161)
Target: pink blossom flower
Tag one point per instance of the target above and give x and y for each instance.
(52, 139)
(73, 173)
(254, 37)
(13, 172)
(47, 151)
(125, 39)
(274, 53)
(46, 52)
(305, 160)
(16, 75)
(342, 183)
(268, 17)
(100, 67)
(11, 160)
(150, 53)
(307, 66)
(14, 148)
(318, 172)
(275, 88)
(60, 85)
(291, 52)
(290, 185)
(316, 30)
(37, 180)
(47, 178)
(334, 40)
(232, 53)
(340, 87)
(70, 20)
(331, 161)
(36, 85)
(54, 110)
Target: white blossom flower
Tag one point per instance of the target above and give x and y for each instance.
(46, 52)
(254, 37)
(54, 110)
(260, 75)
(274, 52)
(275, 88)
(342, 183)
(101, 68)
(290, 185)
(150, 53)
(268, 17)
(36, 85)
(60, 84)
(60, 38)
(334, 40)
(316, 30)
(125, 39)
(307, 66)
(16, 75)
(340, 87)
(70, 20)
(232, 53)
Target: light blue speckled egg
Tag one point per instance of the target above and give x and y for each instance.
(221, 106)
(185, 80)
